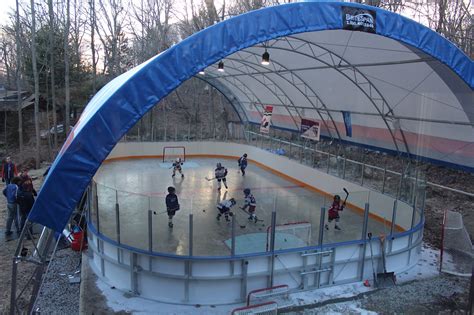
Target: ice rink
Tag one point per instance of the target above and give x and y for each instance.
(139, 185)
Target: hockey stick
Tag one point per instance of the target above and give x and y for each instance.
(209, 179)
(162, 212)
(248, 213)
(347, 195)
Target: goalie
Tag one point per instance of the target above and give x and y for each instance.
(177, 167)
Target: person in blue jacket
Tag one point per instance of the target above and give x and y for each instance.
(11, 192)
(172, 204)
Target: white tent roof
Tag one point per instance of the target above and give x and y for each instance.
(400, 98)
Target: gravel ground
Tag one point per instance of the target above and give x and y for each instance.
(58, 295)
(442, 294)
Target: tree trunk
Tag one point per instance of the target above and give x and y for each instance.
(94, 63)
(48, 126)
(5, 126)
(18, 82)
(66, 72)
(7, 66)
(53, 88)
(36, 80)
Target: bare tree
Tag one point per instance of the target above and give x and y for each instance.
(153, 18)
(450, 18)
(18, 81)
(111, 32)
(52, 66)
(93, 49)
(66, 70)
(7, 56)
(36, 82)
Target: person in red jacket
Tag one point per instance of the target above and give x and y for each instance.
(8, 171)
(27, 182)
(333, 212)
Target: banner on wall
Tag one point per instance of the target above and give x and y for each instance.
(266, 119)
(347, 123)
(310, 129)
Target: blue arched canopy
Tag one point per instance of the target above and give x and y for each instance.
(313, 50)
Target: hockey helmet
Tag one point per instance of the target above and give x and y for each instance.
(232, 200)
(171, 189)
(219, 165)
(246, 191)
(337, 198)
(245, 155)
(178, 160)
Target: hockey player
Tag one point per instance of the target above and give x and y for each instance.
(177, 167)
(172, 205)
(333, 212)
(243, 163)
(224, 209)
(220, 173)
(251, 204)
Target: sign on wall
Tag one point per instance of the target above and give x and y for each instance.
(266, 120)
(310, 129)
(358, 19)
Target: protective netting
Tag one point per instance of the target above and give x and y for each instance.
(170, 154)
(457, 254)
(290, 235)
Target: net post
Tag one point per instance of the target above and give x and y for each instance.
(96, 200)
(442, 241)
(321, 226)
(272, 246)
(191, 232)
(470, 309)
(232, 249)
(117, 223)
(364, 238)
(392, 224)
(150, 226)
(366, 221)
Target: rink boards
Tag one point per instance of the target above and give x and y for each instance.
(194, 279)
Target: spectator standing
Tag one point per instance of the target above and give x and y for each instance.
(8, 171)
(25, 200)
(27, 182)
(11, 192)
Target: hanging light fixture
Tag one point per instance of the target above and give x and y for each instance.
(265, 58)
(202, 72)
(220, 66)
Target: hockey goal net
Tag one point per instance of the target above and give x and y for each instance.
(457, 252)
(170, 154)
(290, 235)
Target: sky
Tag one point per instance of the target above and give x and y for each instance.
(6, 7)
